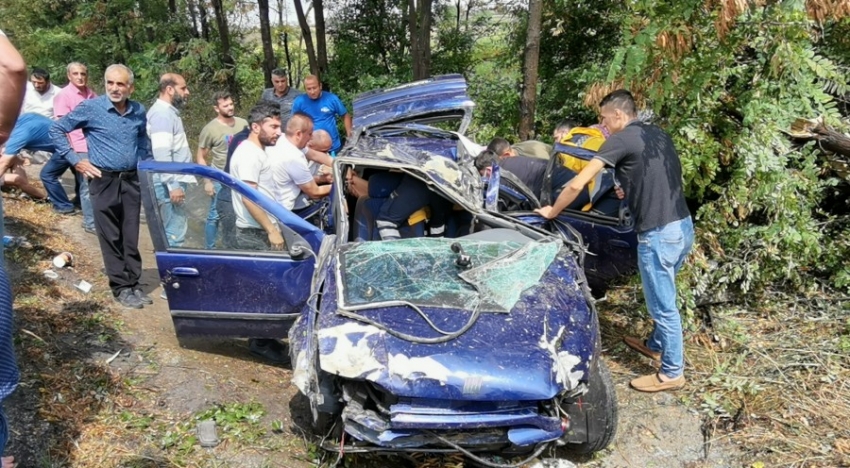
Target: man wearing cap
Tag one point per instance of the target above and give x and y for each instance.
(281, 92)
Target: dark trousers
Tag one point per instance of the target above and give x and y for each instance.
(252, 239)
(116, 201)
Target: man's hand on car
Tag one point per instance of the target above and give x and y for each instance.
(275, 239)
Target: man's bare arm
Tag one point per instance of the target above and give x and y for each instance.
(572, 189)
(320, 157)
(259, 215)
(347, 121)
(201, 156)
(314, 190)
(13, 76)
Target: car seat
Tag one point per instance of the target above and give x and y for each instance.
(381, 186)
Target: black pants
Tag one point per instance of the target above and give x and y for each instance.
(116, 200)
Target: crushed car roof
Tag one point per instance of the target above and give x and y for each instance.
(444, 94)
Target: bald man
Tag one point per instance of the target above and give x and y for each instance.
(323, 107)
(318, 152)
(290, 172)
(169, 144)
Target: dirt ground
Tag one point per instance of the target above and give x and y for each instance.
(156, 388)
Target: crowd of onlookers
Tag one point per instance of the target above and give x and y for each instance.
(285, 148)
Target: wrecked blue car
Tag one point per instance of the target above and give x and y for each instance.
(482, 340)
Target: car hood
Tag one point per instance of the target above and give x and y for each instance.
(537, 348)
(438, 96)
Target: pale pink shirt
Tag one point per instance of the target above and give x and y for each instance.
(64, 102)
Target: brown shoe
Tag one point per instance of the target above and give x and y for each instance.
(639, 345)
(653, 383)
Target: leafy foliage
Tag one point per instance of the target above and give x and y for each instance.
(726, 87)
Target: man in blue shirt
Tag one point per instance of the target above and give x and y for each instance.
(30, 133)
(115, 130)
(323, 107)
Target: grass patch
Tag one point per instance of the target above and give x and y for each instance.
(770, 375)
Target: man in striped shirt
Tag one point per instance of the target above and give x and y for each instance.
(169, 144)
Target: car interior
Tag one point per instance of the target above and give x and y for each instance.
(459, 222)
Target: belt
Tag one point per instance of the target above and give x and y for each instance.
(128, 174)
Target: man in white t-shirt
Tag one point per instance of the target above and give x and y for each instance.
(289, 168)
(40, 93)
(255, 229)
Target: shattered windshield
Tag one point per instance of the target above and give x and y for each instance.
(425, 272)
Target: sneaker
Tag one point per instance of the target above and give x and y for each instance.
(65, 212)
(90, 230)
(271, 350)
(128, 299)
(652, 383)
(163, 295)
(143, 298)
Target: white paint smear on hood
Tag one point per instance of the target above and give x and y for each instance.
(351, 359)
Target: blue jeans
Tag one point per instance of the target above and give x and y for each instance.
(50, 176)
(661, 252)
(173, 216)
(211, 228)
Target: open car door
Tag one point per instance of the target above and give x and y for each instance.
(213, 287)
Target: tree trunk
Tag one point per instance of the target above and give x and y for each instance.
(269, 62)
(425, 36)
(204, 19)
(190, 7)
(419, 24)
(528, 100)
(285, 38)
(224, 39)
(321, 40)
(307, 36)
(172, 7)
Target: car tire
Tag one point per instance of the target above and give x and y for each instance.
(595, 413)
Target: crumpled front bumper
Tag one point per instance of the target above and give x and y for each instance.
(417, 423)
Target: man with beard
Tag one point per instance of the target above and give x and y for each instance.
(40, 94)
(114, 128)
(212, 151)
(255, 230)
(66, 100)
(169, 144)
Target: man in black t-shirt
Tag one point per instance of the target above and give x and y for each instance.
(647, 164)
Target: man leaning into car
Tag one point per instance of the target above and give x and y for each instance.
(647, 164)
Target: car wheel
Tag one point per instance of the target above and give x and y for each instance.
(594, 414)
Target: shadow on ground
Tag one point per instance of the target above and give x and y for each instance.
(64, 341)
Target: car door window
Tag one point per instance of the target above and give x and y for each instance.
(197, 213)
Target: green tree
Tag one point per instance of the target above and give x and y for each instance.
(726, 78)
